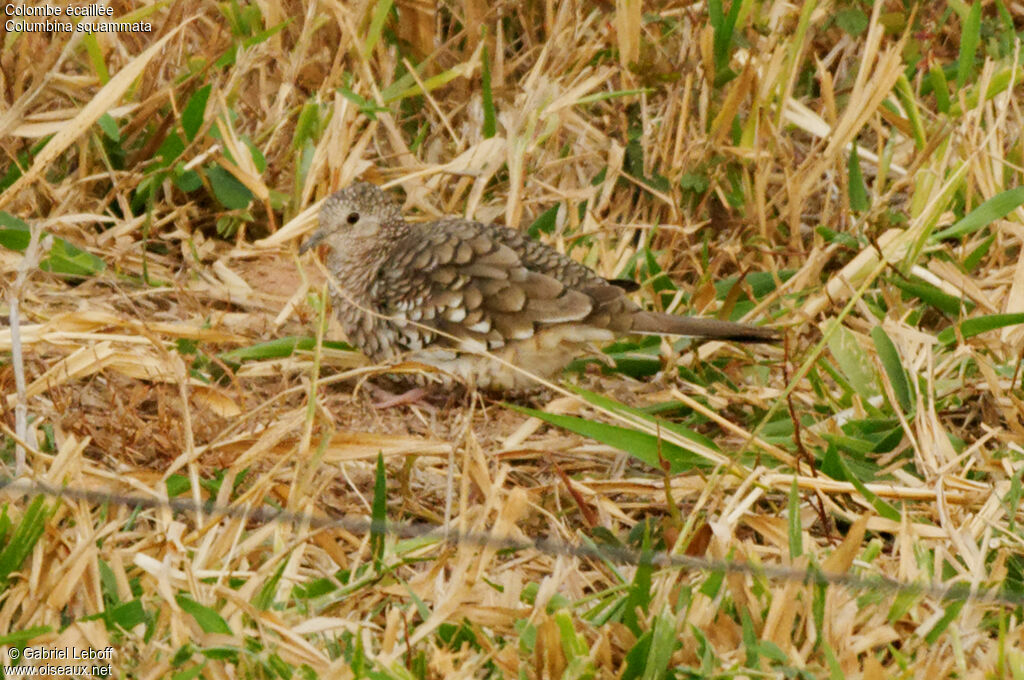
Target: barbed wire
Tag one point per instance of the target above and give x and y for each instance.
(615, 554)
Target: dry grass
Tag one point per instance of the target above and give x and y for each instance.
(675, 154)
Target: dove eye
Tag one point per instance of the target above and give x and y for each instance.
(352, 218)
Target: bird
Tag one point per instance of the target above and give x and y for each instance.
(481, 302)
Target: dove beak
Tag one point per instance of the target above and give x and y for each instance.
(318, 236)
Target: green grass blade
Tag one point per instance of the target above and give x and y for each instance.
(265, 597)
(380, 15)
(95, 52)
(796, 541)
(952, 611)
(980, 324)
(640, 445)
(194, 112)
(490, 116)
(940, 88)
(835, 467)
(975, 257)
(400, 89)
(380, 512)
(603, 96)
(23, 540)
(906, 96)
(277, 349)
(995, 208)
(931, 295)
(970, 38)
(724, 26)
(890, 359)
(859, 199)
(663, 637)
(602, 401)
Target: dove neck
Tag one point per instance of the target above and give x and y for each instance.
(356, 265)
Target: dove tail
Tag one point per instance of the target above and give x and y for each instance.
(714, 329)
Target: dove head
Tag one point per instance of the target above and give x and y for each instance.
(360, 212)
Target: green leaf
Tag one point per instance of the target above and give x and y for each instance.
(1011, 501)
(125, 616)
(970, 38)
(194, 112)
(231, 193)
(109, 127)
(186, 180)
(258, 159)
(995, 208)
(366, 106)
(772, 651)
(980, 324)
(65, 258)
(545, 224)
(209, 620)
(853, 362)
(696, 182)
(189, 673)
(852, 20)
(108, 584)
(859, 200)
(177, 485)
(840, 237)
(890, 359)
(640, 361)
(14, 234)
(170, 149)
(851, 446)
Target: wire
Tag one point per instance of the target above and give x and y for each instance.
(549, 546)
